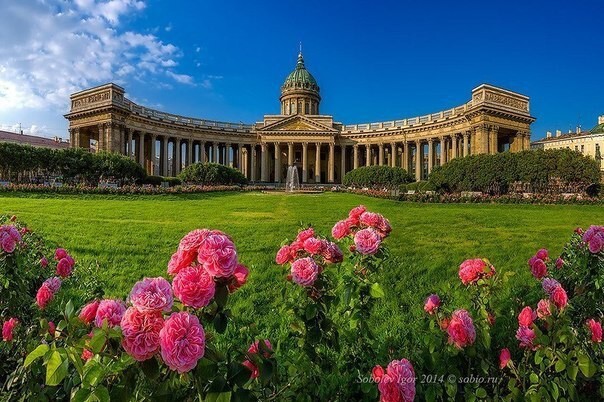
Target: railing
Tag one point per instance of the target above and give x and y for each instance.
(156, 114)
(411, 121)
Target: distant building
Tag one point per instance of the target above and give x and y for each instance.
(590, 143)
(33, 140)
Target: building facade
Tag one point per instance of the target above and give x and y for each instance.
(323, 150)
(590, 143)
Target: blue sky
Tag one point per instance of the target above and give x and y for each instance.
(225, 60)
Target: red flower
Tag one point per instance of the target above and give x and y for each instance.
(595, 328)
(526, 317)
(504, 358)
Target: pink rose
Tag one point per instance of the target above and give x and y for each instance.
(367, 241)
(595, 328)
(110, 310)
(64, 267)
(398, 383)
(182, 341)
(594, 237)
(179, 260)
(549, 284)
(313, 246)
(544, 309)
(253, 350)
(340, 230)
(377, 373)
(526, 317)
(152, 294)
(194, 287)
(8, 244)
(88, 312)
(43, 262)
(384, 227)
(356, 212)
(432, 304)
(305, 234)
(504, 358)
(332, 253)
(538, 267)
(559, 297)
(239, 277)
(461, 329)
(370, 219)
(305, 271)
(54, 284)
(140, 332)
(218, 255)
(87, 355)
(51, 328)
(526, 336)
(7, 329)
(559, 263)
(60, 253)
(192, 240)
(44, 296)
(472, 270)
(542, 254)
(283, 255)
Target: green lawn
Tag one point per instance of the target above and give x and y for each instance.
(132, 237)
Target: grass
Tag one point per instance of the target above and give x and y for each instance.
(133, 237)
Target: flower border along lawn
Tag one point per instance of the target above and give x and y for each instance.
(133, 236)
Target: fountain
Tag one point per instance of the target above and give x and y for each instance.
(292, 181)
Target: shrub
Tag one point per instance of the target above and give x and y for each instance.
(377, 176)
(420, 186)
(153, 180)
(539, 171)
(211, 174)
(172, 181)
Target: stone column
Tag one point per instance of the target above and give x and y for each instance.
(343, 163)
(243, 152)
(527, 140)
(331, 163)
(318, 162)
(189, 152)
(130, 153)
(164, 161)
(406, 156)
(393, 152)
(443, 157)
(215, 155)
(368, 154)
(153, 153)
(290, 154)
(202, 152)
(277, 163)
(101, 143)
(141, 148)
(465, 143)
(229, 158)
(355, 156)
(493, 134)
(304, 162)
(240, 157)
(263, 169)
(178, 156)
(381, 154)
(418, 160)
(253, 163)
(454, 146)
(430, 154)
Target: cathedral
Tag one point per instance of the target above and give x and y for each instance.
(493, 120)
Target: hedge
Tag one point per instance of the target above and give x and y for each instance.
(535, 171)
(377, 176)
(27, 164)
(211, 174)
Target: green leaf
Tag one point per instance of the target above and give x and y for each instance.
(81, 395)
(36, 353)
(572, 371)
(151, 368)
(534, 378)
(218, 397)
(101, 393)
(69, 309)
(311, 311)
(220, 323)
(221, 296)
(560, 366)
(56, 369)
(587, 367)
(376, 291)
(481, 393)
(93, 374)
(98, 341)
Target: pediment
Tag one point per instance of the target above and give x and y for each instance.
(298, 123)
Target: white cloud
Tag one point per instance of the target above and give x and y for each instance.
(52, 48)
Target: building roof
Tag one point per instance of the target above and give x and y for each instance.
(300, 77)
(33, 140)
(599, 129)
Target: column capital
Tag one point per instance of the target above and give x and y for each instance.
(430, 141)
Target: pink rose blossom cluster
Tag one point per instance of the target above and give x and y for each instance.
(397, 382)
(9, 238)
(254, 349)
(472, 270)
(203, 258)
(47, 292)
(595, 328)
(110, 311)
(65, 263)
(505, 358)
(555, 292)
(182, 341)
(537, 264)
(366, 228)
(461, 329)
(7, 329)
(307, 254)
(594, 238)
(432, 304)
(525, 333)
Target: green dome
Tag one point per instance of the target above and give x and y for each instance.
(300, 78)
